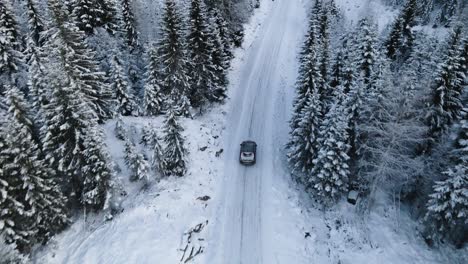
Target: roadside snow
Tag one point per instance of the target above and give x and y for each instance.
(153, 226)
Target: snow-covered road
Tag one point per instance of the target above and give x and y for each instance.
(259, 103)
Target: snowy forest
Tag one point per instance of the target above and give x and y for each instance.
(387, 111)
(374, 110)
(68, 66)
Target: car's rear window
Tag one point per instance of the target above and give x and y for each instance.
(248, 147)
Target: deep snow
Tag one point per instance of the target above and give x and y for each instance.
(254, 214)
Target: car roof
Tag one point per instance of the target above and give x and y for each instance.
(249, 142)
(248, 145)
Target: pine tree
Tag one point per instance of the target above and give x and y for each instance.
(120, 131)
(174, 74)
(129, 24)
(37, 82)
(13, 211)
(90, 14)
(68, 119)
(331, 170)
(153, 98)
(203, 78)
(324, 88)
(36, 26)
(157, 158)
(79, 63)
(303, 142)
(367, 52)
(41, 195)
(446, 103)
(309, 74)
(137, 163)
(448, 204)
(126, 105)
(401, 38)
(220, 60)
(448, 10)
(96, 172)
(10, 56)
(337, 70)
(174, 163)
(223, 30)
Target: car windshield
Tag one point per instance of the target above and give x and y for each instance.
(248, 147)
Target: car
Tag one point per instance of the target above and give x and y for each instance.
(248, 152)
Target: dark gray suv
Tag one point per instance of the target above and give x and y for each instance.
(248, 153)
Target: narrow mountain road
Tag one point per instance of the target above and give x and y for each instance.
(258, 112)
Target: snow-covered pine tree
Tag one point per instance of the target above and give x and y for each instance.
(153, 98)
(79, 63)
(120, 131)
(219, 59)
(448, 9)
(35, 23)
(223, 30)
(90, 14)
(400, 42)
(367, 51)
(147, 135)
(447, 88)
(137, 163)
(447, 208)
(128, 18)
(337, 70)
(157, 158)
(125, 103)
(203, 78)
(96, 171)
(309, 74)
(67, 120)
(39, 192)
(303, 141)
(13, 222)
(174, 75)
(174, 163)
(37, 83)
(10, 56)
(330, 174)
(326, 94)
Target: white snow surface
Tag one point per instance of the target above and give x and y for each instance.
(255, 214)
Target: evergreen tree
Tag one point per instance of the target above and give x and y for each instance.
(401, 38)
(137, 163)
(153, 98)
(36, 26)
(90, 14)
(303, 142)
(174, 73)
(174, 163)
(68, 119)
(220, 60)
(129, 24)
(79, 63)
(10, 56)
(447, 208)
(324, 88)
(120, 131)
(203, 78)
(337, 70)
(157, 158)
(224, 36)
(13, 209)
(96, 172)
(40, 194)
(125, 102)
(309, 75)
(331, 170)
(447, 88)
(37, 82)
(367, 52)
